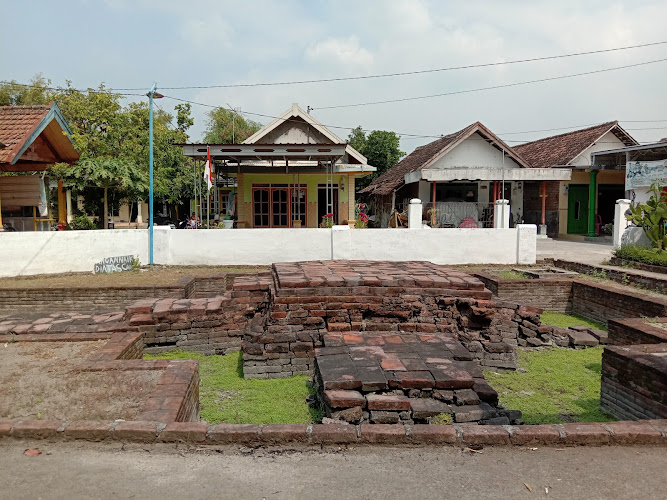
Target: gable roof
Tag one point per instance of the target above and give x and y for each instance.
(424, 156)
(296, 112)
(564, 148)
(20, 126)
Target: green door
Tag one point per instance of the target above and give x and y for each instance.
(577, 209)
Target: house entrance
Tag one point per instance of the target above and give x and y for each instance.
(322, 209)
(577, 209)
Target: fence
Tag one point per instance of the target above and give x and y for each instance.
(77, 251)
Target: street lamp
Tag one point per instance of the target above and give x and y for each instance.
(152, 94)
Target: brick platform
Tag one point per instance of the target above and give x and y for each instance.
(310, 299)
(386, 378)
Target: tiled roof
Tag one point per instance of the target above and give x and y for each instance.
(394, 177)
(422, 157)
(16, 125)
(563, 148)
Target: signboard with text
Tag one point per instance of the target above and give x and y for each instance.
(114, 264)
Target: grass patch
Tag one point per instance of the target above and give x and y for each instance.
(145, 276)
(559, 385)
(508, 274)
(225, 396)
(566, 320)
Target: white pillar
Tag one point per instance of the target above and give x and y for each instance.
(68, 201)
(620, 223)
(526, 243)
(415, 214)
(140, 219)
(501, 219)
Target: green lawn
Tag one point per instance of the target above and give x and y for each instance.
(566, 320)
(225, 396)
(509, 274)
(559, 385)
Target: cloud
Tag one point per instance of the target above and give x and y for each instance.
(343, 51)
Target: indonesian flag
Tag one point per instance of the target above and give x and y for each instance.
(207, 170)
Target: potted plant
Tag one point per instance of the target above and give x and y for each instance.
(228, 222)
(327, 221)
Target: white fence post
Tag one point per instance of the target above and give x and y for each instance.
(526, 243)
(620, 223)
(501, 219)
(415, 214)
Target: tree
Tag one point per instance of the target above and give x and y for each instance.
(228, 127)
(37, 92)
(381, 148)
(357, 138)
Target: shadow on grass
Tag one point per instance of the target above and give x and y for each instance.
(594, 367)
(239, 366)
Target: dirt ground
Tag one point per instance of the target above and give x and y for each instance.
(156, 275)
(40, 380)
(117, 470)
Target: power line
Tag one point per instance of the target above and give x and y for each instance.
(493, 87)
(406, 135)
(408, 73)
(368, 77)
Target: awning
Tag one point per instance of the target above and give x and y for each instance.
(489, 174)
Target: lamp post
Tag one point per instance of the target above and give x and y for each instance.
(152, 94)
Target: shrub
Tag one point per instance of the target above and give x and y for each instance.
(652, 216)
(653, 256)
(81, 222)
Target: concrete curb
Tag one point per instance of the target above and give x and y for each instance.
(644, 432)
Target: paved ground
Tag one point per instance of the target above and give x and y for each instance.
(87, 470)
(585, 252)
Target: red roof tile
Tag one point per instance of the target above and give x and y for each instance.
(16, 125)
(563, 148)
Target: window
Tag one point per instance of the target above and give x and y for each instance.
(277, 205)
(224, 199)
(260, 203)
(279, 208)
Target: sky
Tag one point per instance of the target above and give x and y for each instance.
(133, 43)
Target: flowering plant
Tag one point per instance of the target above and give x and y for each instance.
(362, 220)
(327, 220)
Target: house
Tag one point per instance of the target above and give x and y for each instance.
(574, 207)
(461, 175)
(290, 173)
(31, 139)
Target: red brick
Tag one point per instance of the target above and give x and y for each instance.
(284, 433)
(392, 364)
(387, 402)
(39, 429)
(383, 433)
(5, 427)
(186, 432)
(90, 430)
(433, 434)
(527, 435)
(344, 399)
(585, 433)
(493, 435)
(634, 433)
(412, 380)
(333, 434)
(136, 431)
(233, 434)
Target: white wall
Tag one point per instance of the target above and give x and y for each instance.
(605, 143)
(474, 152)
(78, 251)
(67, 251)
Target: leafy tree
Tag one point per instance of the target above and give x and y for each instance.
(357, 138)
(227, 127)
(15, 94)
(381, 148)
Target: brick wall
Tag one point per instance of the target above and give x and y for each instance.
(619, 276)
(636, 331)
(601, 302)
(634, 381)
(532, 205)
(548, 294)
